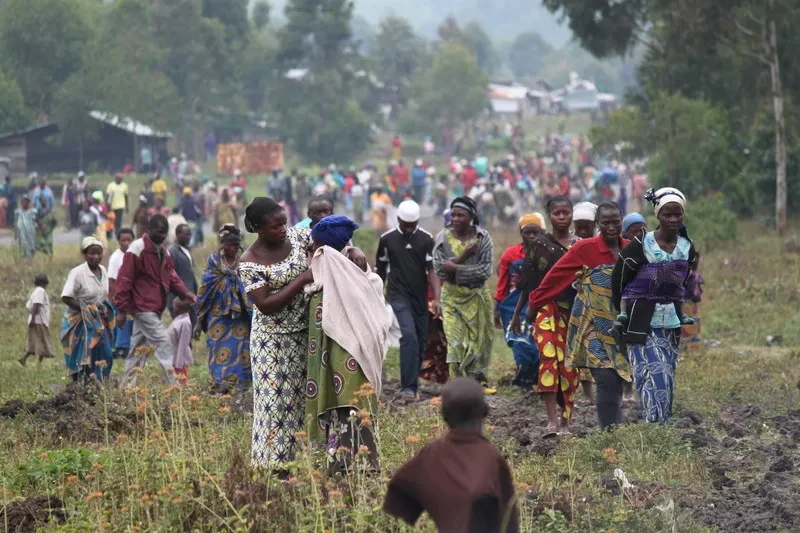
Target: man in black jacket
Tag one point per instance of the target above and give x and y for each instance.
(184, 265)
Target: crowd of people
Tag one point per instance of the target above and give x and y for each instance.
(589, 297)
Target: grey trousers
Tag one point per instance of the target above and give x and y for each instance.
(148, 330)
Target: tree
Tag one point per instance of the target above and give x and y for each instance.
(232, 14)
(13, 113)
(261, 12)
(453, 90)
(41, 44)
(317, 34)
(479, 42)
(525, 54)
(399, 52)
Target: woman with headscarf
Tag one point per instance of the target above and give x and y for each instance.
(507, 296)
(556, 382)
(648, 289)
(462, 258)
(274, 271)
(224, 313)
(87, 330)
(347, 331)
(587, 266)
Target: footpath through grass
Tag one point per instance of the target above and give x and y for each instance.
(155, 459)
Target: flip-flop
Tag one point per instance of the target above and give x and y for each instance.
(488, 391)
(550, 433)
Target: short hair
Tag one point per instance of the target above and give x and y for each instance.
(158, 222)
(557, 200)
(320, 199)
(260, 207)
(180, 227)
(463, 402)
(40, 279)
(606, 206)
(125, 231)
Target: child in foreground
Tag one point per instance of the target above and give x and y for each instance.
(461, 480)
(180, 336)
(38, 343)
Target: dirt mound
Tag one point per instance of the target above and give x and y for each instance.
(753, 472)
(78, 412)
(24, 516)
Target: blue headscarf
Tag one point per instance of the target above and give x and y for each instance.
(334, 231)
(631, 219)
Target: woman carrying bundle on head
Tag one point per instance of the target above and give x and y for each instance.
(462, 258)
(348, 326)
(224, 312)
(649, 288)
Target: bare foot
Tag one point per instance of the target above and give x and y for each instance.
(21, 361)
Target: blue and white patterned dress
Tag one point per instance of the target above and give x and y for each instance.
(278, 350)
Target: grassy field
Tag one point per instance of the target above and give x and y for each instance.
(155, 459)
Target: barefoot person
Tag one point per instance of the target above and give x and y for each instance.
(87, 330)
(348, 327)
(38, 342)
(507, 296)
(649, 288)
(556, 381)
(275, 271)
(463, 257)
(590, 345)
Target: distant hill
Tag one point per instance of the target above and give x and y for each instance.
(502, 19)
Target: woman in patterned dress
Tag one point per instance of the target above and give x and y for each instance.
(275, 271)
(463, 257)
(224, 313)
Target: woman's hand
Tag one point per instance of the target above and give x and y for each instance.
(197, 332)
(498, 324)
(307, 277)
(437, 309)
(516, 324)
(357, 256)
(530, 316)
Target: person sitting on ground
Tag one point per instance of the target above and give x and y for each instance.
(38, 342)
(180, 337)
(461, 480)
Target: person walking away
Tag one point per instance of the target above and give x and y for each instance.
(462, 258)
(556, 381)
(68, 202)
(199, 198)
(145, 279)
(405, 264)
(25, 227)
(400, 181)
(38, 342)
(87, 334)
(180, 338)
(507, 296)
(397, 148)
(274, 271)
(225, 313)
(174, 219)
(649, 288)
(141, 216)
(418, 177)
(590, 344)
(190, 213)
(357, 194)
(211, 146)
(349, 181)
(349, 325)
(122, 335)
(184, 264)
(117, 200)
(460, 480)
(44, 202)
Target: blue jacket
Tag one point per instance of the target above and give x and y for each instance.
(418, 176)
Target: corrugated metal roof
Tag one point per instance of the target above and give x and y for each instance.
(127, 124)
(26, 131)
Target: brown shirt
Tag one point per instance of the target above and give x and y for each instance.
(463, 483)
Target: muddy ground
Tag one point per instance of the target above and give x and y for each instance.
(25, 516)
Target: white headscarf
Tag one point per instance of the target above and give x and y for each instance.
(664, 196)
(584, 211)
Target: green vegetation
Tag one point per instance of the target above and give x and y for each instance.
(155, 459)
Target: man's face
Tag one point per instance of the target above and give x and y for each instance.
(183, 236)
(125, 240)
(318, 211)
(407, 228)
(158, 235)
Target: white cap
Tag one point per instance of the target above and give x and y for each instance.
(584, 211)
(418, 162)
(81, 174)
(408, 211)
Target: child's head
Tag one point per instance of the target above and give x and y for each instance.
(463, 404)
(180, 306)
(41, 280)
